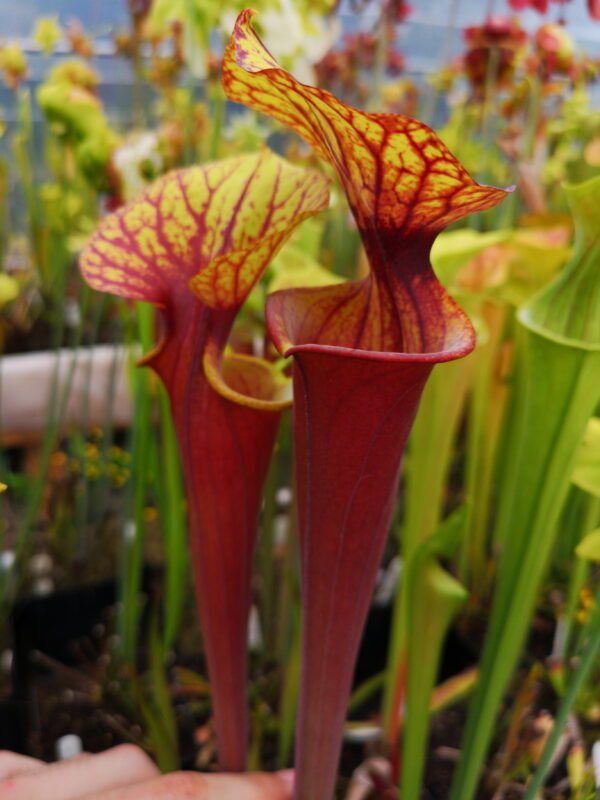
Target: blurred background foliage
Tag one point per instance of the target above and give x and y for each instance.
(101, 98)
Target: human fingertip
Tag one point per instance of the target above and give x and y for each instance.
(286, 776)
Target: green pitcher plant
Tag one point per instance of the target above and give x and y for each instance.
(557, 388)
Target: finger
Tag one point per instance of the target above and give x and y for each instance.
(12, 764)
(196, 786)
(83, 776)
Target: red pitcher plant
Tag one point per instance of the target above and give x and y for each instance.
(194, 244)
(362, 353)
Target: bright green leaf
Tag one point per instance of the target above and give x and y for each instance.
(452, 250)
(586, 474)
(589, 547)
(9, 288)
(292, 268)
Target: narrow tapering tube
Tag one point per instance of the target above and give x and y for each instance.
(362, 353)
(351, 422)
(194, 244)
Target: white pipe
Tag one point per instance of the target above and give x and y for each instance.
(95, 379)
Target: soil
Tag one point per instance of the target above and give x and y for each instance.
(66, 678)
(65, 681)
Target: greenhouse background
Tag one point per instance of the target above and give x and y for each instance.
(424, 37)
(299, 400)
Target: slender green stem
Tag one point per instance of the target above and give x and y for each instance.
(366, 690)
(428, 463)
(436, 598)
(82, 500)
(174, 524)
(103, 489)
(587, 661)
(580, 570)
(266, 559)
(484, 424)
(218, 119)
(153, 699)
(478, 478)
(161, 699)
(132, 551)
(396, 650)
(289, 694)
(24, 160)
(288, 592)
